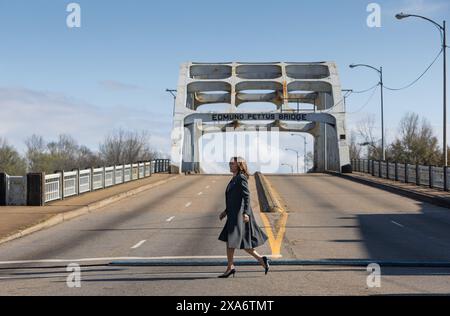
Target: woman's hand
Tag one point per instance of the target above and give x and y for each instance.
(223, 215)
(246, 218)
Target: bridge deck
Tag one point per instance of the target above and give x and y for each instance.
(330, 219)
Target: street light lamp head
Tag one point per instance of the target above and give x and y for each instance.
(352, 66)
(402, 15)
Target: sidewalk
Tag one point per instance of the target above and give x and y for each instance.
(421, 193)
(18, 221)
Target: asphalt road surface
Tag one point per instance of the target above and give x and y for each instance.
(328, 218)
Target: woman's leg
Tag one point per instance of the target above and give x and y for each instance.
(256, 255)
(230, 257)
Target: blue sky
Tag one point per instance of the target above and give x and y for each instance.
(112, 72)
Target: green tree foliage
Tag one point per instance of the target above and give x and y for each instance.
(416, 143)
(63, 154)
(10, 160)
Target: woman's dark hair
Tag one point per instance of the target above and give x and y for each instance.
(242, 166)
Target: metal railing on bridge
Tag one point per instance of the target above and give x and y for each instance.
(64, 184)
(36, 189)
(422, 175)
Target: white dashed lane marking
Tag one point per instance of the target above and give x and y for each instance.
(138, 244)
(395, 223)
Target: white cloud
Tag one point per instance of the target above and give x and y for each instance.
(114, 85)
(422, 7)
(24, 112)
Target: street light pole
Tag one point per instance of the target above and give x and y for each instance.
(304, 155)
(380, 72)
(347, 91)
(445, 95)
(288, 165)
(443, 29)
(383, 149)
(172, 92)
(296, 151)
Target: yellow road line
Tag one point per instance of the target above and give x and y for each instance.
(280, 226)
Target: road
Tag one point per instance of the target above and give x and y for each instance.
(328, 218)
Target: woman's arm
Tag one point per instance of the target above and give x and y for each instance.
(245, 194)
(223, 215)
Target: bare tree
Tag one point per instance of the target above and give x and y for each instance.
(355, 149)
(63, 154)
(122, 147)
(309, 160)
(86, 158)
(365, 131)
(10, 160)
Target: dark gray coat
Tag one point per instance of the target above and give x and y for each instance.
(236, 233)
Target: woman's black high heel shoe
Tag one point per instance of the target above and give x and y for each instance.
(226, 275)
(266, 263)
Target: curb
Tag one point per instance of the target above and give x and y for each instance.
(269, 203)
(63, 217)
(422, 197)
(285, 262)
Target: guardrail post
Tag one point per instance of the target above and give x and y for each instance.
(373, 167)
(123, 173)
(35, 189)
(430, 176)
(445, 179)
(396, 171)
(417, 175)
(380, 175)
(387, 169)
(91, 178)
(3, 186)
(62, 185)
(406, 173)
(77, 188)
(104, 178)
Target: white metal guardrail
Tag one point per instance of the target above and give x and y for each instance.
(66, 184)
(431, 176)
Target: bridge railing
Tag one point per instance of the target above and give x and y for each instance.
(422, 175)
(64, 184)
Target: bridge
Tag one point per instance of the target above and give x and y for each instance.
(163, 241)
(284, 85)
(152, 227)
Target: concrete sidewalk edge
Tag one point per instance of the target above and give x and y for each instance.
(422, 197)
(66, 216)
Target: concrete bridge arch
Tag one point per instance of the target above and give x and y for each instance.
(283, 84)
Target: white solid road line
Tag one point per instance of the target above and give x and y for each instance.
(395, 223)
(188, 204)
(199, 193)
(64, 275)
(120, 259)
(138, 244)
(170, 219)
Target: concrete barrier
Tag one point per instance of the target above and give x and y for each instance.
(266, 195)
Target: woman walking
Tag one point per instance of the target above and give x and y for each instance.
(241, 230)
